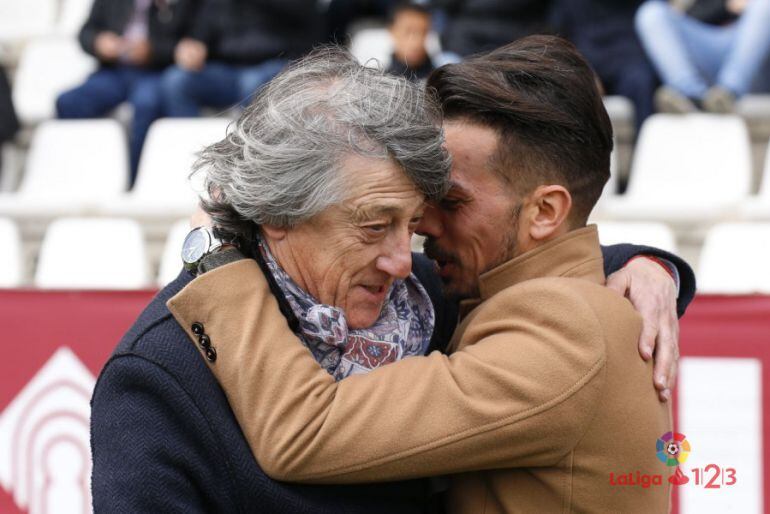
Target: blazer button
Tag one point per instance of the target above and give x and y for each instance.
(204, 340)
(211, 354)
(197, 328)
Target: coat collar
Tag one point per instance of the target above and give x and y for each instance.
(576, 254)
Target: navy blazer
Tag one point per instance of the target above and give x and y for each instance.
(165, 440)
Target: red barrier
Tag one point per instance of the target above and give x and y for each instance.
(55, 343)
(34, 326)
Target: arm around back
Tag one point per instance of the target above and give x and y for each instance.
(501, 401)
(617, 256)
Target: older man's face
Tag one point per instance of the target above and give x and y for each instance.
(475, 227)
(350, 254)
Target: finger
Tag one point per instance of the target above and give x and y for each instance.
(620, 282)
(666, 339)
(648, 336)
(665, 358)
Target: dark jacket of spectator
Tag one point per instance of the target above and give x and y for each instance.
(168, 21)
(9, 124)
(164, 438)
(603, 30)
(401, 69)
(481, 25)
(713, 12)
(251, 31)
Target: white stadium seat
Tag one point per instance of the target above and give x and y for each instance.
(47, 67)
(92, 253)
(171, 260)
(24, 19)
(72, 166)
(620, 109)
(758, 207)
(72, 16)
(734, 259)
(690, 168)
(658, 235)
(163, 185)
(11, 262)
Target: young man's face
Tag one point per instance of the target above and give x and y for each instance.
(475, 227)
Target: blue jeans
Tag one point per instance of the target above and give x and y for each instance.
(691, 56)
(107, 88)
(216, 85)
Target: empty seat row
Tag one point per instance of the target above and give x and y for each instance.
(109, 253)
(91, 253)
(78, 167)
(20, 21)
(694, 168)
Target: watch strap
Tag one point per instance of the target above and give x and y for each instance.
(219, 258)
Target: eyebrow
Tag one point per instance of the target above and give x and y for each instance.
(370, 212)
(456, 186)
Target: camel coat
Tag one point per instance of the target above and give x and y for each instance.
(543, 405)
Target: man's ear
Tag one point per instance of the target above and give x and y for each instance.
(273, 232)
(551, 206)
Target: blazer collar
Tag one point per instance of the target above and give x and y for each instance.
(576, 254)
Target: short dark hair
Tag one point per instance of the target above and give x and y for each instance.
(421, 7)
(542, 98)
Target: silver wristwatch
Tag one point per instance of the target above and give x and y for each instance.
(199, 244)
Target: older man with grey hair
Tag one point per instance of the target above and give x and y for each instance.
(325, 152)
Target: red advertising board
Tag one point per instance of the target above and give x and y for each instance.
(55, 343)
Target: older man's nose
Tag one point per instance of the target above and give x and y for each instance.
(397, 262)
(430, 225)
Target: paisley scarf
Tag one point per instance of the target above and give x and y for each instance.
(403, 328)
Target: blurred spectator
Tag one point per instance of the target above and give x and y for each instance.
(482, 25)
(409, 27)
(133, 40)
(603, 30)
(9, 124)
(709, 56)
(233, 48)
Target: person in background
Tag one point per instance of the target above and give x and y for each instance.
(603, 31)
(232, 49)
(9, 123)
(475, 26)
(709, 56)
(341, 14)
(410, 23)
(133, 41)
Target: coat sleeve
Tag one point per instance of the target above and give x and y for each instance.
(95, 24)
(146, 442)
(616, 256)
(520, 395)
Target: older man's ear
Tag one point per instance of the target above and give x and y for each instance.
(545, 212)
(200, 218)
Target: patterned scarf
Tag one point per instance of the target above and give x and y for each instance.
(403, 329)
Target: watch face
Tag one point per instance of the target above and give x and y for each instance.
(196, 244)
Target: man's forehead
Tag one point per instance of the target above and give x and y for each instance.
(377, 209)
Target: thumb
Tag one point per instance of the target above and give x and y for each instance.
(620, 282)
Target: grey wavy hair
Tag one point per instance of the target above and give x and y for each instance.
(280, 162)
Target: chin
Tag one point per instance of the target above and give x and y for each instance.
(363, 317)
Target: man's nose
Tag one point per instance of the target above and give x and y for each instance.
(430, 225)
(397, 261)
